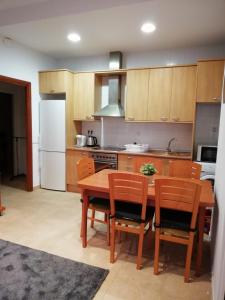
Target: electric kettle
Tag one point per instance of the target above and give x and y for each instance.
(81, 140)
(91, 140)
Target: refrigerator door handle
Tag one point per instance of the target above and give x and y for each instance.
(51, 151)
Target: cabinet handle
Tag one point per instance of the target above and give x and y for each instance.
(163, 119)
(89, 118)
(176, 119)
(130, 118)
(216, 99)
(129, 157)
(83, 153)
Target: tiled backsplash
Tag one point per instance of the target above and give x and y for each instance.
(117, 132)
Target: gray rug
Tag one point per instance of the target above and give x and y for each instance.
(28, 274)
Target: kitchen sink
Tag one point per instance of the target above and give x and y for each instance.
(172, 153)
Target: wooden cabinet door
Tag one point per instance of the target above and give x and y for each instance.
(84, 91)
(52, 82)
(160, 87)
(209, 80)
(137, 95)
(72, 156)
(125, 162)
(183, 94)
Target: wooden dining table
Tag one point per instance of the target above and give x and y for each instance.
(98, 185)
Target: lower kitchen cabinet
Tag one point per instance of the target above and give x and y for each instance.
(72, 156)
(125, 162)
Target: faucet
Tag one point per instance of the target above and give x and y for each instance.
(168, 149)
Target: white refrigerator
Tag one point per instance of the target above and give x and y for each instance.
(52, 145)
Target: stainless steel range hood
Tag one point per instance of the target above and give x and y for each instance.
(113, 108)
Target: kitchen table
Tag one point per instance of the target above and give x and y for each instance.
(98, 185)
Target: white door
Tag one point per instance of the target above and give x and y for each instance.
(52, 125)
(53, 175)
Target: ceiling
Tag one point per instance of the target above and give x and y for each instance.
(107, 26)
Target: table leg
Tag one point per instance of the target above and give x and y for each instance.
(201, 220)
(84, 219)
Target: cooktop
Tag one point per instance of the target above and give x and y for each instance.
(109, 148)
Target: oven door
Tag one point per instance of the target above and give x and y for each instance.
(101, 165)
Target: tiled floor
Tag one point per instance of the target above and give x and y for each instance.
(50, 221)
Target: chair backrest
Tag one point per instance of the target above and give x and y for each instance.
(85, 167)
(178, 194)
(128, 187)
(184, 169)
(140, 161)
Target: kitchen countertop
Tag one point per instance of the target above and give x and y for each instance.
(156, 153)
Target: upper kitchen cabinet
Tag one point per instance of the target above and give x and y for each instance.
(210, 80)
(160, 86)
(85, 87)
(60, 82)
(183, 95)
(53, 82)
(137, 95)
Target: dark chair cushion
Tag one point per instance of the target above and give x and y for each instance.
(99, 201)
(132, 212)
(175, 219)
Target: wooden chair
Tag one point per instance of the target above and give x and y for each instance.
(86, 167)
(176, 209)
(140, 161)
(185, 169)
(129, 213)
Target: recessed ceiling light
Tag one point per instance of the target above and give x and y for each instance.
(148, 27)
(73, 37)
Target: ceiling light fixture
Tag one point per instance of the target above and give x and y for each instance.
(74, 37)
(148, 27)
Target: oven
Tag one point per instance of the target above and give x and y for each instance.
(105, 160)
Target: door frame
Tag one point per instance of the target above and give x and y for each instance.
(28, 122)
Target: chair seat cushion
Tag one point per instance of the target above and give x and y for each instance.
(132, 212)
(175, 219)
(99, 202)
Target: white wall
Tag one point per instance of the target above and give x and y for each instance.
(23, 63)
(156, 135)
(145, 59)
(218, 274)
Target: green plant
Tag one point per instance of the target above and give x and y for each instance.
(148, 169)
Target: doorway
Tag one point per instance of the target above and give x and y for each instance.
(6, 136)
(16, 133)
